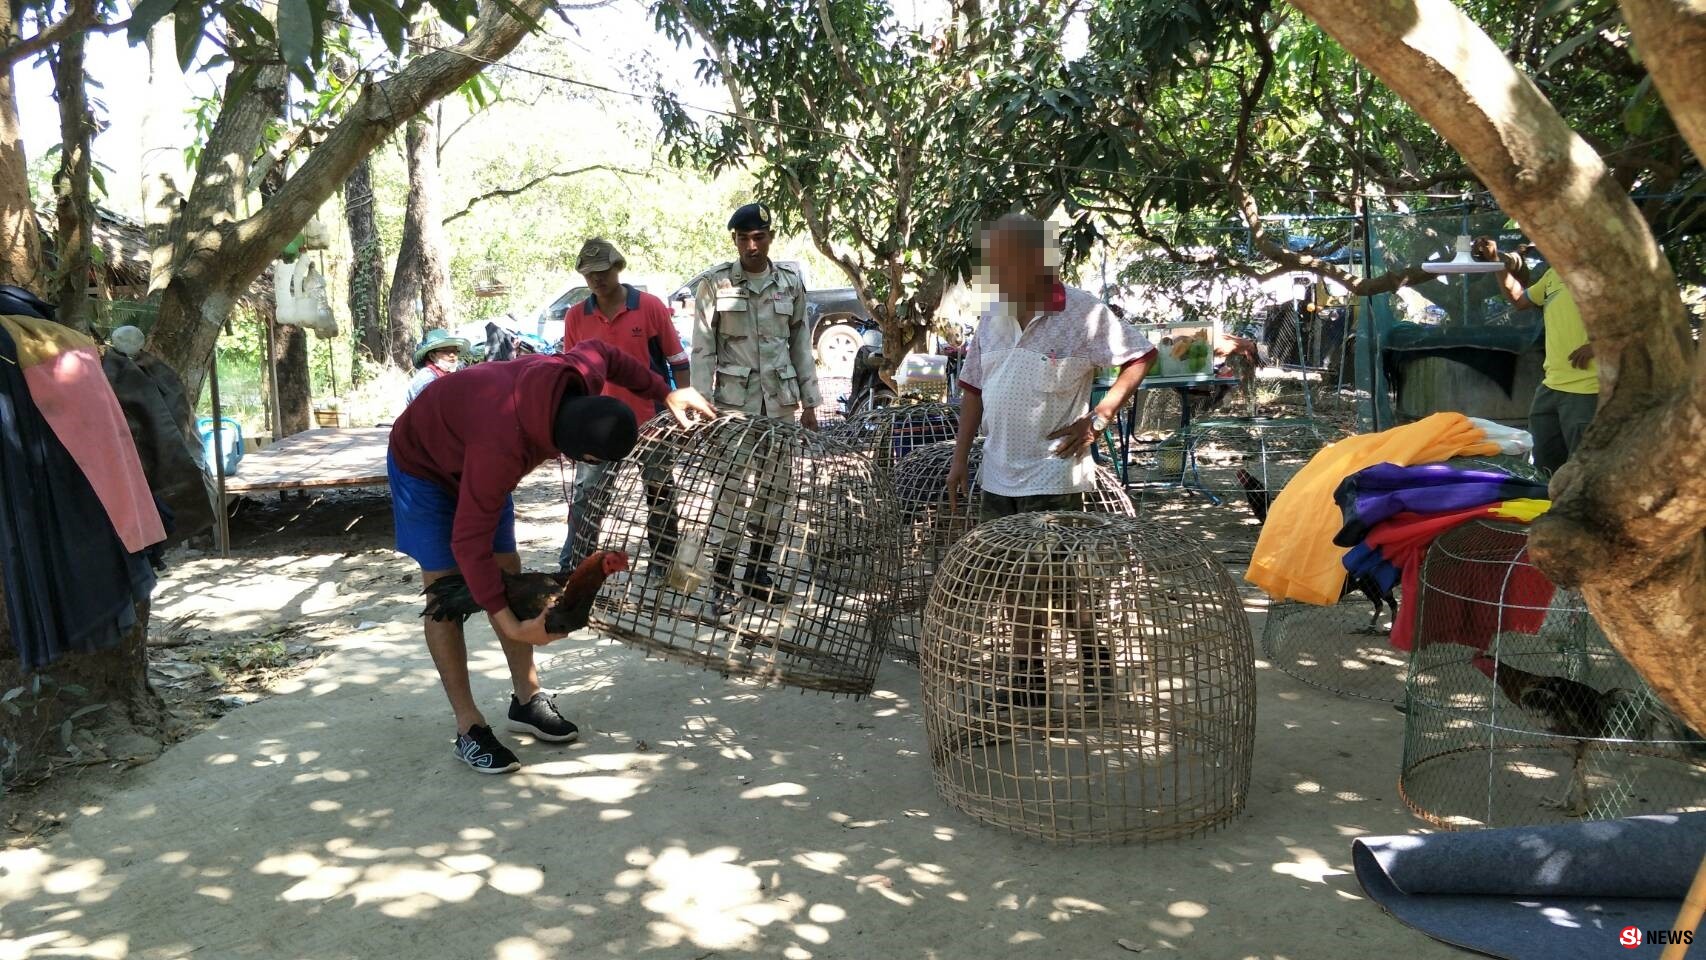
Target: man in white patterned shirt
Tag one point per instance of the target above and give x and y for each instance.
(1028, 375)
(1027, 381)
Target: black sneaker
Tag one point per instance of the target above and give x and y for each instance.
(540, 718)
(481, 749)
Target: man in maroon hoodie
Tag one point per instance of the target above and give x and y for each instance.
(456, 455)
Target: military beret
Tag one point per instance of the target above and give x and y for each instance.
(753, 216)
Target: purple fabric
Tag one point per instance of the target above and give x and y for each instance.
(1384, 490)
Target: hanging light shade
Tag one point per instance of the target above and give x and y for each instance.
(1463, 262)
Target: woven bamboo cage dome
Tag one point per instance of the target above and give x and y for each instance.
(929, 528)
(1346, 648)
(1518, 709)
(758, 549)
(888, 434)
(1215, 479)
(1088, 677)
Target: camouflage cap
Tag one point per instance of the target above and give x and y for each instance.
(753, 216)
(598, 254)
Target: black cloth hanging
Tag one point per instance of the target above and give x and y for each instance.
(163, 426)
(70, 585)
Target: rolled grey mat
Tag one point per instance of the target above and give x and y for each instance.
(1538, 893)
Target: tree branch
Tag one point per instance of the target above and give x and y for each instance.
(468, 207)
(866, 96)
(380, 110)
(80, 18)
(1672, 39)
(1248, 98)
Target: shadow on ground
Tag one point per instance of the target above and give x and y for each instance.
(699, 818)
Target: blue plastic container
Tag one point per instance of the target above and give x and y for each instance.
(230, 440)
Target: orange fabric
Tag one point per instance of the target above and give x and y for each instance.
(1295, 558)
(63, 371)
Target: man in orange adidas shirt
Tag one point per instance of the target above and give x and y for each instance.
(639, 325)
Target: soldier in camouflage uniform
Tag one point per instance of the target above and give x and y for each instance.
(752, 352)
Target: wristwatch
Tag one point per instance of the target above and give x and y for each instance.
(1098, 422)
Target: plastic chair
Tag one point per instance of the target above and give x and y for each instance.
(230, 439)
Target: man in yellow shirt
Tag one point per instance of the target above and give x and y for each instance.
(1568, 396)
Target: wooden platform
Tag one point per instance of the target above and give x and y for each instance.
(315, 459)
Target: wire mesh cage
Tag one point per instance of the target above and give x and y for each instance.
(1217, 478)
(1087, 677)
(1346, 648)
(889, 433)
(929, 527)
(1519, 711)
(769, 552)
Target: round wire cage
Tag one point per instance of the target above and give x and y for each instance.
(1217, 478)
(888, 434)
(1519, 711)
(768, 552)
(1346, 648)
(929, 527)
(1088, 678)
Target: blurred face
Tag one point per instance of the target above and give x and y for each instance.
(1018, 270)
(447, 360)
(754, 249)
(605, 284)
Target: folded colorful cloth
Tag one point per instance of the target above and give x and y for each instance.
(1403, 541)
(1295, 557)
(1384, 490)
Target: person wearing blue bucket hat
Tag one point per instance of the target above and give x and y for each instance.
(437, 355)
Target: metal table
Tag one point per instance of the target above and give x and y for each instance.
(1126, 422)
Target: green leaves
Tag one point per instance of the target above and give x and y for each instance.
(386, 19)
(145, 15)
(296, 34)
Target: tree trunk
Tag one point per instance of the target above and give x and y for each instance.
(423, 229)
(20, 236)
(1629, 508)
(290, 366)
(117, 678)
(367, 267)
(162, 155)
(217, 254)
(75, 212)
(403, 307)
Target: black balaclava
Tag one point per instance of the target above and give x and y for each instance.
(601, 427)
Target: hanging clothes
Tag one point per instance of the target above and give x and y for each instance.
(71, 586)
(62, 370)
(1295, 557)
(161, 423)
(1474, 607)
(1377, 493)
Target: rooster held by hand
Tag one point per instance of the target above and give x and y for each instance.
(566, 602)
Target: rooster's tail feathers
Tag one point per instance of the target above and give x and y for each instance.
(448, 598)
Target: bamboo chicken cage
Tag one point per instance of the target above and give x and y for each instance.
(768, 552)
(930, 526)
(1088, 678)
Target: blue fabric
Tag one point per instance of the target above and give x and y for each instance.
(1366, 561)
(1538, 893)
(1385, 490)
(424, 512)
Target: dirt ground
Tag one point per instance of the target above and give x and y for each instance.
(698, 818)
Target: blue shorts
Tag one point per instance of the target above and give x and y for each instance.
(424, 512)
